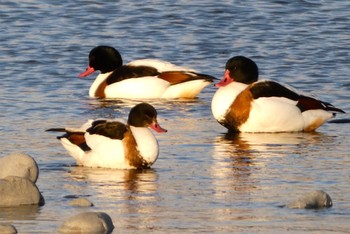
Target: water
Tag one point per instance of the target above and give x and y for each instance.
(203, 181)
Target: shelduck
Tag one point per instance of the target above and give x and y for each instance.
(141, 79)
(113, 144)
(244, 104)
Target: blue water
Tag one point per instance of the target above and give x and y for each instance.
(202, 181)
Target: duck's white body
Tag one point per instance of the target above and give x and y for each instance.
(150, 87)
(244, 104)
(142, 78)
(267, 114)
(113, 144)
(110, 153)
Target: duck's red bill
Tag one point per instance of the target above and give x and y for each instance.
(156, 127)
(89, 70)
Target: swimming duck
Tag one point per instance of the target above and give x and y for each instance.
(113, 144)
(244, 104)
(144, 78)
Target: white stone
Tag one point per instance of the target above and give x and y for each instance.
(88, 222)
(81, 202)
(17, 191)
(7, 229)
(312, 200)
(19, 164)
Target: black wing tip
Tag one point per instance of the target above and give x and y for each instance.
(334, 109)
(341, 111)
(58, 130)
(208, 77)
(55, 130)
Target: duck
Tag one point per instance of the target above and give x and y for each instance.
(110, 143)
(242, 103)
(142, 78)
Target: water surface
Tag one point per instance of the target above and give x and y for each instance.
(204, 180)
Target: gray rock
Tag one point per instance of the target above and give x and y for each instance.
(312, 200)
(81, 202)
(19, 164)
(7, 229)
(88, 222)
(17, 191)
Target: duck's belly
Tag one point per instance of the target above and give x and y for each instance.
(188, 89)
(136, 88)
(269, 115)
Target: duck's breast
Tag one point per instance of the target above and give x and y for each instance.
(223, 99)
(96, 89)
(147, 144)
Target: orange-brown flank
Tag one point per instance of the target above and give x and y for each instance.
(132, 155)
(314, 125)
(239, 110)
(174, 77)
(100, 91)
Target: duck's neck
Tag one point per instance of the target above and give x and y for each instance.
(96, 84)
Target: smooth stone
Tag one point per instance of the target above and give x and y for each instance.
(88, 222)
(81, 202)
(7, 229)
(19, 164)
(17, 191)
(312, 200)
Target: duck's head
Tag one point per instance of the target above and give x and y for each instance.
(240, 69)
(104, 59)
(144, 115)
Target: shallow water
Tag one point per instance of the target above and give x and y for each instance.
(204, 180)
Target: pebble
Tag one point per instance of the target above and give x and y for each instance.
(17, 191)
(7, 229)
(313, 200)
(88, 222)
(19, 164)
(84, 202)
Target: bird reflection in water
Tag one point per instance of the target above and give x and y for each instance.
(232, 164)
(240, 158)
(126, 193)
(241, 171)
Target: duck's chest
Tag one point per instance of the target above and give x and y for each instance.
(146, 143)
(223, 99)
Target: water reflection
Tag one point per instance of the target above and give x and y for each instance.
(237, 157)
(171, 104)
(267, 144)
(174, 110)
(244, 166)
(130, 193)
(133, 181)
(19, 213)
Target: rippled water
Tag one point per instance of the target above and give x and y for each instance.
(203, 181)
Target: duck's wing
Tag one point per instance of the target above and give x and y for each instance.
(273, 89)
(111, 129)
